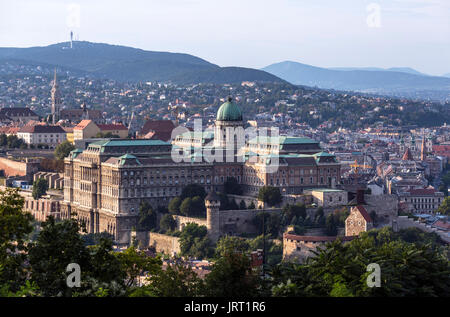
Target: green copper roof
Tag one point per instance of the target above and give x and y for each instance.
(229, 111)
(140, 142)
(203, 135)
(123, 159)
(127, 156)
(323, 154)
(296, 140)
(74, 153)
(323, 190)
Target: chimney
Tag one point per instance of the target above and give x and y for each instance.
(360, 197)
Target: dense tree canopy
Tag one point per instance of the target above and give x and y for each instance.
(193, 207)
(15, 227)
(176, 280)
(444, 208)
(407, 269)
(194, 241)
(272, 223)
(232, 276)
(167, 223)
(412, 263)
(58, 245)
(40, 187)
(231, 244)
(174, 205)
(63, 149)
(231, 186)
(290, 211)
(270, 195)
(147, 217)
(193, 190)
(12, 141)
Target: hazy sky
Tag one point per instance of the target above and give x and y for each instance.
(250, 33)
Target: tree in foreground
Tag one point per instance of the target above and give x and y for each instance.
(232, 276)
(135, 263)
(15, 228)
(103, 273)
(96, 238)
(57, 245)
(407, 269)
(176, 280)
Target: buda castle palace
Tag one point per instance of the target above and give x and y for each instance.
(105, 183)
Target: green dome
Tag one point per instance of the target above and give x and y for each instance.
(229, 111)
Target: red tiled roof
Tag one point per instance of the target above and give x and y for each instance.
(42, 129)
(109, 127)
(364, 213)
(83, 124)
(441, 147)
(442, 224)
(422, 191)
(13, 130)
(162, 129)
(18, 112)
(443, 150)
(34, 122)
(316, 238)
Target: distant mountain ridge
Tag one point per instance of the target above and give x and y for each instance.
(132, 64)
(407, 70)
(395, 81)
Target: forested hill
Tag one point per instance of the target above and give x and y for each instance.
(131, 64)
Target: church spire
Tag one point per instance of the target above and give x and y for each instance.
(423, 153)
(56, 100)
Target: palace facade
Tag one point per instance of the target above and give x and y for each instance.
(105, 183)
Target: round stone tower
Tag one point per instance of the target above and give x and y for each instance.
(212, 204)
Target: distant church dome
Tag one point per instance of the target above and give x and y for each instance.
(229, 111)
